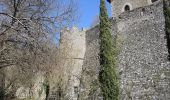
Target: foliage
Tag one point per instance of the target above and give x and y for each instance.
(27, 30)
(107, 75)
(167, 24)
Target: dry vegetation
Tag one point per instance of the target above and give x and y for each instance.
(27, 30)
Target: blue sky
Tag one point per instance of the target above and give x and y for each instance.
(88, 10)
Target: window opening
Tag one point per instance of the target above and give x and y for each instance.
(127, 8)
(154, 0)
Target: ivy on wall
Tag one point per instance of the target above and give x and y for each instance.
(107, 76)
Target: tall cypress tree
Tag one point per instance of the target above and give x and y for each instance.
(167, 23)
(107, 75)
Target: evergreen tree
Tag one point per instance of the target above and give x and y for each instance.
(167, 23)
(107, 75)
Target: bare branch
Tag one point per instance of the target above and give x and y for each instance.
(12, 17)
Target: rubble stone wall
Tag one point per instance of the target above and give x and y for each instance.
(143, 67)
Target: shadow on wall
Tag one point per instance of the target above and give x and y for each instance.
(167, 24)
(153, 1)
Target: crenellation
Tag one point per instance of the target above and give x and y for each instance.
(142, 65)
(74, 41)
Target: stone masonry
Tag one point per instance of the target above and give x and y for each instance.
(119, 6)
(142, 64)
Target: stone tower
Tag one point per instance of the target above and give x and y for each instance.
(120, 6)
(75, 42)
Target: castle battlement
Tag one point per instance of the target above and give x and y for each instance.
(142, 64)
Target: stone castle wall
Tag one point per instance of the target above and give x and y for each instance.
(143, 67)
(91, 64)
(74, 41)
(119, 5)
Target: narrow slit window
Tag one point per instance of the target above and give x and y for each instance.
(154, 1)
(75, 90)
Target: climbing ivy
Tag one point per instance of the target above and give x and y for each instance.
(107, 75)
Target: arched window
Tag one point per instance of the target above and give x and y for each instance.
(127, 8)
